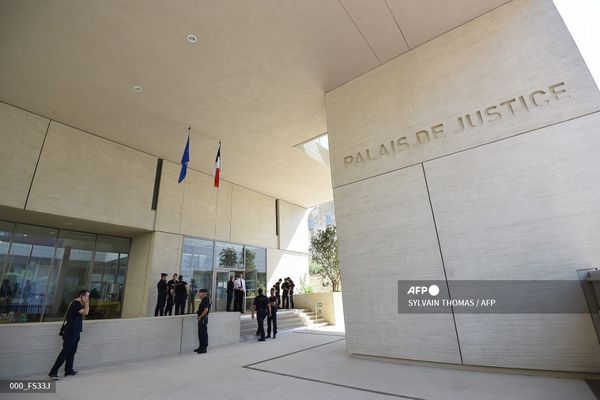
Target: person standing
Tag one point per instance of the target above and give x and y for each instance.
(73, 326)
(181, 290)
(291, 286)
(202, 316)
(170, 293)
(161, 289)
(285, 288)
(262, 307)
(278, 291)
(239, 291)
(192, 296)
(272, 319)
(230, 287)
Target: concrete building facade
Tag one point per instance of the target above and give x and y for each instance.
(461, 140)
(472, 157)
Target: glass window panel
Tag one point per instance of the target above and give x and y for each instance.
(256, 259)
(29, 262)
(6, 229)
(228, 255)
(105, 288)
(197, 262)
(77, 252)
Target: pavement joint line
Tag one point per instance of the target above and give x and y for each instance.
(335, 384)
(251, 367)
(294, 352)
(320, 334)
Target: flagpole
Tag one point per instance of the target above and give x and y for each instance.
(183, 194)
(217, 204)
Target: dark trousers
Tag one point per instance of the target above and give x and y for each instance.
(261, 322)
(202, 334)
(272, 320)
(291, 300)
(160, 306)
(67, 354)
(229, 299)
(286, 300)
(169, 306)
(238, 303)
(179, 306)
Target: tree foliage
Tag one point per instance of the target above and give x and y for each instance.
(228, 258)
(250, 260)
(324, 255)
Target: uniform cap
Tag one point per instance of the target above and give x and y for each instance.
(163, 274)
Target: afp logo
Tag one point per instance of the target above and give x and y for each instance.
(433, 290)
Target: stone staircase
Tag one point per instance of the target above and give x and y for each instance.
(286, 320)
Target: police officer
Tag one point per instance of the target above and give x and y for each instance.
(262, 307)
(272, 319)
(170, 293)
(278, 291)
(203, 310)
(181, 293)
(161, 288)
(291, 286)
(285, 288)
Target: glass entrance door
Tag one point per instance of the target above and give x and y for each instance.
(221, 290)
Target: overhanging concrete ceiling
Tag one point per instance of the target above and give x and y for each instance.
(256, 78)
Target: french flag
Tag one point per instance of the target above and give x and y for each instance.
(218, 166)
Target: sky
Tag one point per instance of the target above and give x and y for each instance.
(582, 17)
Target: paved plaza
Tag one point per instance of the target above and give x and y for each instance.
(301, 364)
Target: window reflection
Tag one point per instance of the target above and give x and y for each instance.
(229, 256)
(106, 286)
(42, 269)
(200, 257)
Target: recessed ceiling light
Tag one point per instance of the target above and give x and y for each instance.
(68, 223)
(137, 89)
(192, 38)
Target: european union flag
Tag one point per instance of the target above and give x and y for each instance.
(185, 158)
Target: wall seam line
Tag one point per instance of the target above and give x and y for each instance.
(36, 165)
(397, 24)
(437, 235)
(359, 31)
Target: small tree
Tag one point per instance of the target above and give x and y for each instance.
(325, 260)
(228, 258)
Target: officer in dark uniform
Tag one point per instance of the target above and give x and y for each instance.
(285, 288)
(262, 307)
(203, 310)
(230, 288)
(272, 319)
(278, 291)
(181, 293)
(170, 293)
(161, 289)
(291, 286)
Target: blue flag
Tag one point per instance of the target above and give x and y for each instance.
(185, 158)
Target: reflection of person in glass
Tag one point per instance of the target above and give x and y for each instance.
(73, 325)
(5, 292)
(230, 286)
(192, 296)
(27, 290)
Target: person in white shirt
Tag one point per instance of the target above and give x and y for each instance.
(239, 287)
